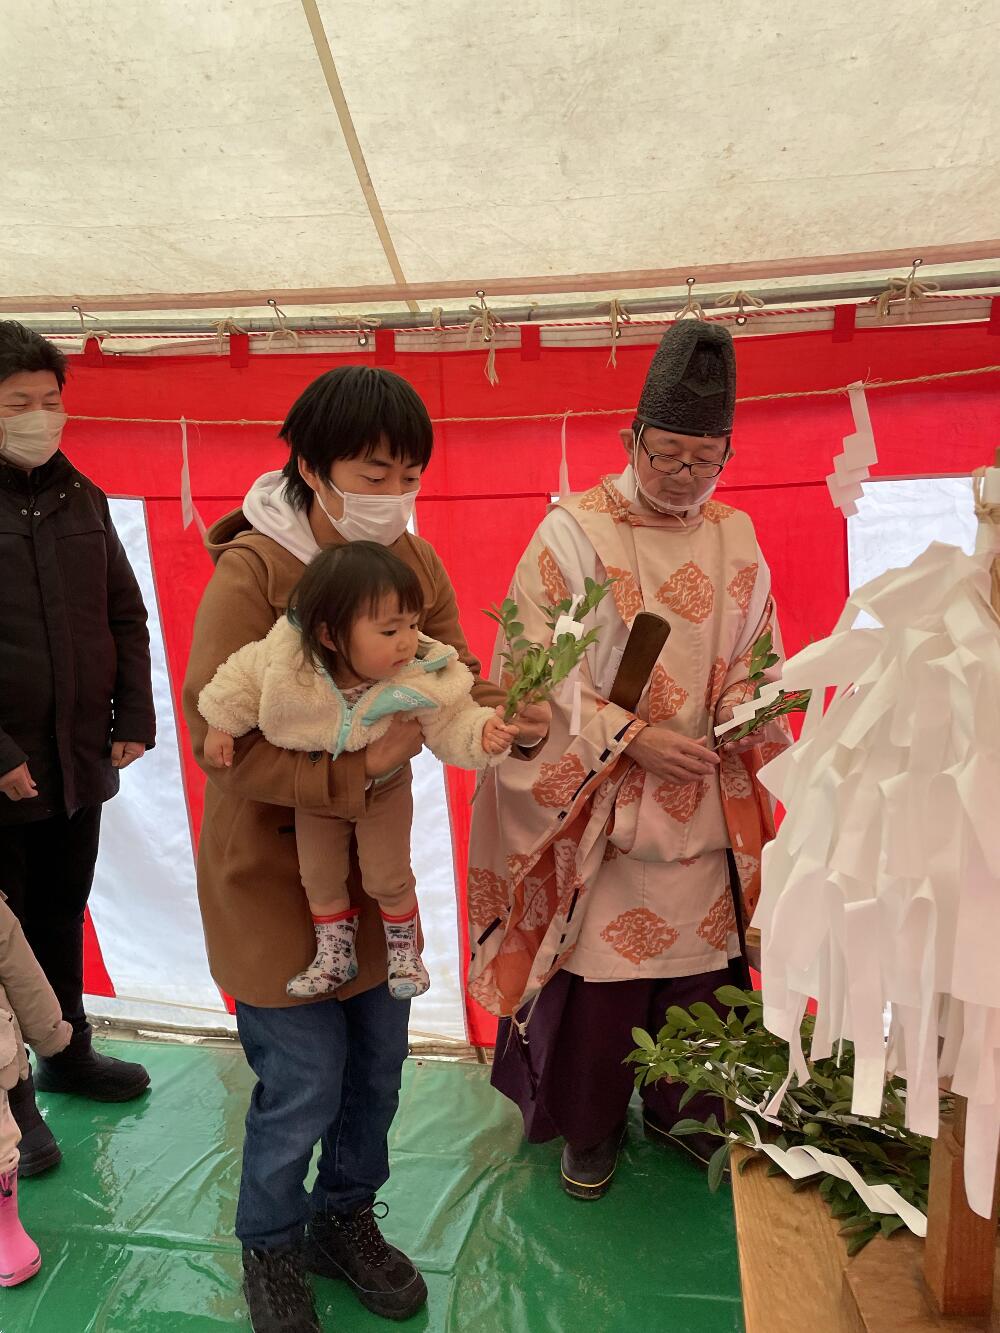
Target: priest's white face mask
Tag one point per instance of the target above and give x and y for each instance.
(675, 473)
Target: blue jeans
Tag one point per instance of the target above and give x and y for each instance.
(327, 1073)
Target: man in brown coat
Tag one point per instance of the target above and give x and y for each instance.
(76, 707)
(328, 1071)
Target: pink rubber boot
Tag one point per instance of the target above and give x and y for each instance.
(19, 1257)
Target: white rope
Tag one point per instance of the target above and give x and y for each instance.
(868, 385)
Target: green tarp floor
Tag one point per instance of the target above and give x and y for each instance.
(135, 1226)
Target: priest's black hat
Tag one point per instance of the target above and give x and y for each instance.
(690, 388)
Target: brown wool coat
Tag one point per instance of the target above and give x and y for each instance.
(256, 919)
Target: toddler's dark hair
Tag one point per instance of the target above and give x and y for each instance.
(343, 583)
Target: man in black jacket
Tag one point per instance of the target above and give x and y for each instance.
(76, 707)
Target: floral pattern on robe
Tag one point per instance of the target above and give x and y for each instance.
(608, 871)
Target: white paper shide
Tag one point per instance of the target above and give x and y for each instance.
(882, 887)
(852, 466)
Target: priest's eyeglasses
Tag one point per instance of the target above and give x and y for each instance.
(670, 466)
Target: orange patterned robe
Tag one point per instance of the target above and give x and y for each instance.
(578, 858)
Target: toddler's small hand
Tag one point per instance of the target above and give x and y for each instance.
(219, 748)
(498, 737)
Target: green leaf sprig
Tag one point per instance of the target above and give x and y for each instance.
(762, 658)
(733, 1056)
(536, 669)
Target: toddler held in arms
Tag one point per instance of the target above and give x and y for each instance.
(345, 665)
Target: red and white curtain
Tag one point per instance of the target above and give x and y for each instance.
(488, 486)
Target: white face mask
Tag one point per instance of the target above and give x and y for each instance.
(664, 506)
(372, 518)
(31, 438)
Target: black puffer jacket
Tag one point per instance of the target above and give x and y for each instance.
(74, 648)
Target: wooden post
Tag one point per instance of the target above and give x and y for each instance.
(960, 1254)
(960, 1251)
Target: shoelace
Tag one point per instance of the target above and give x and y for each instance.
(282, 1283)
(363, 1231)
(6, 1186)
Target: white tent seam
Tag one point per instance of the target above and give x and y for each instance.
(339, 99)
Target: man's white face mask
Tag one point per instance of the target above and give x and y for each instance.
(31, 438)
(695, 501)
(372, 518)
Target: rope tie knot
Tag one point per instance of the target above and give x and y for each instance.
(363, 325)
(282, 330)
(483, 326)
(619, 315)
(691, 306)
(225, 328)
(740, 299)
(86, 333)
(907, 290)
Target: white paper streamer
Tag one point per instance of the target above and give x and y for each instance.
(746, 712)
(852, 466)
(567, 625)
(883, 884)
(611, 674)
(564, 489)
(189, 510)
(803, 1161)
(576, 714)
(571, 695)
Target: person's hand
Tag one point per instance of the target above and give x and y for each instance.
(734, 747)
(18, 785)
(498, 735)
(124, 753)
(219, 748)
(402, 742)
(532, 723)
(671, 757)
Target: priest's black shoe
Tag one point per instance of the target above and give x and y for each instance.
(587, 1173)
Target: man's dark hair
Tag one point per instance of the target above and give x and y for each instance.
(343, 414)
(23, 349)
(341, 584)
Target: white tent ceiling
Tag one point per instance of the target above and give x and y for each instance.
(190, 152)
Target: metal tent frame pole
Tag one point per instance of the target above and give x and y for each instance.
(865, 289)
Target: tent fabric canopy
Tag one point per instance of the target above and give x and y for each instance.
(194, 146)
(213, 155)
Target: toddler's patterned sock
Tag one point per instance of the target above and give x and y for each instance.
(407, 974)
(335, 962)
